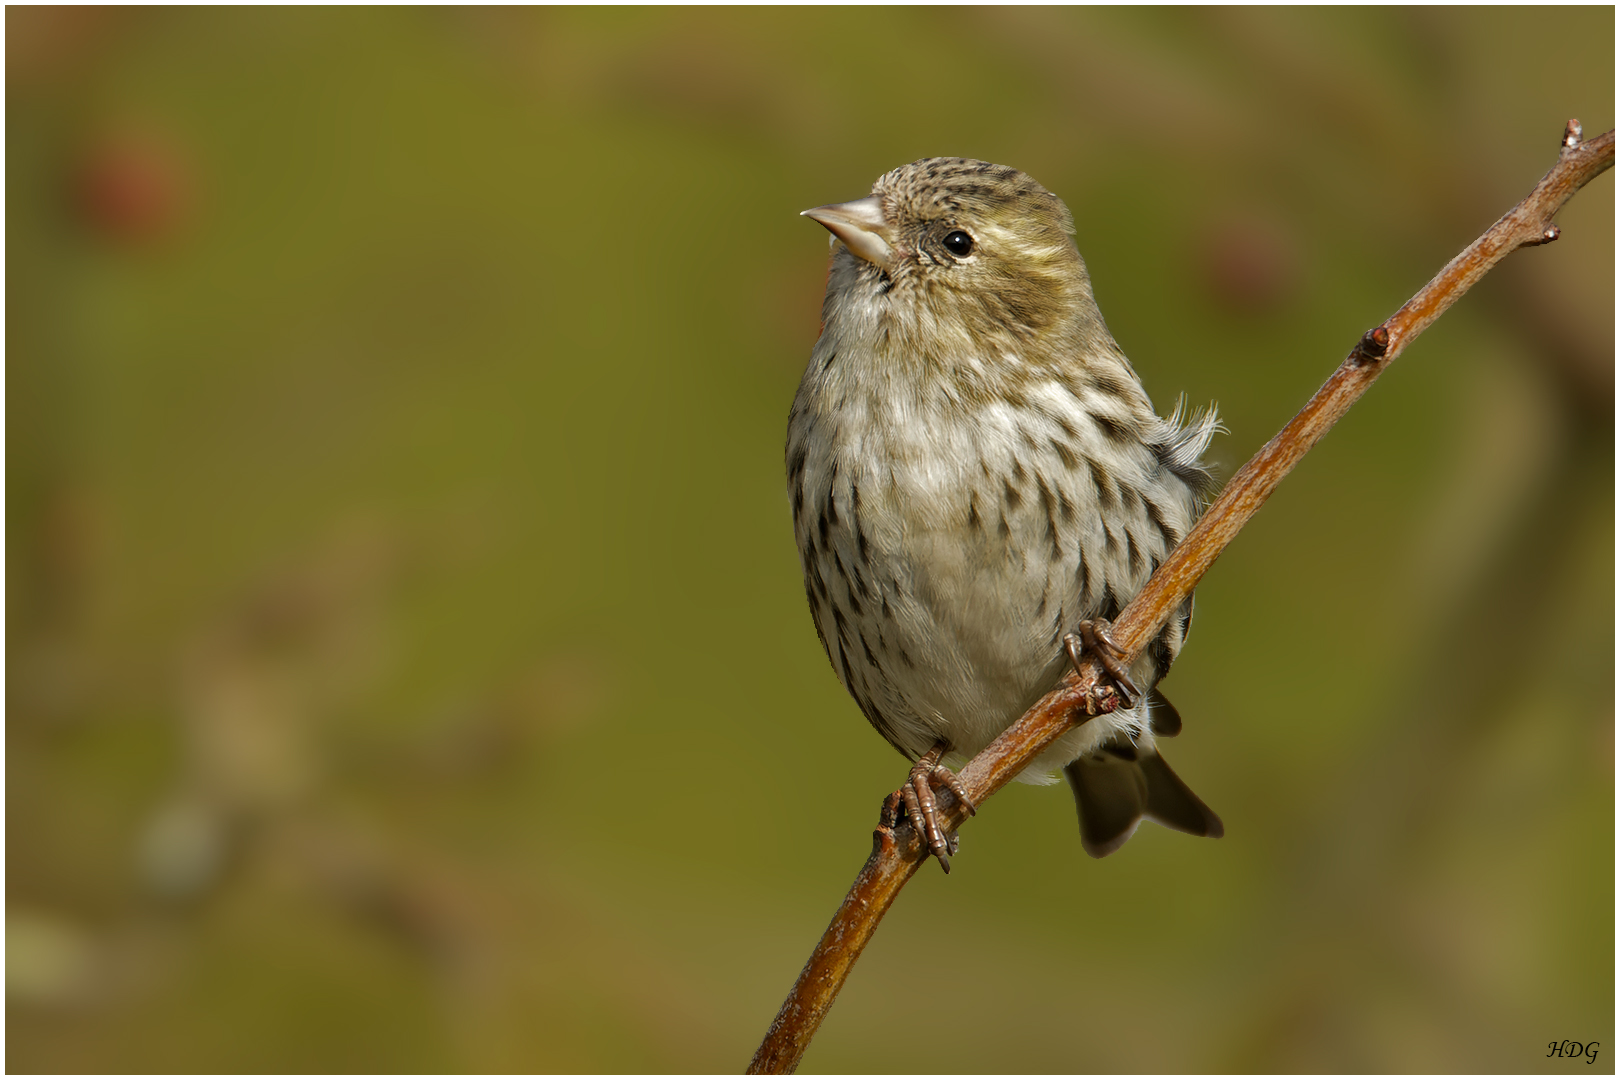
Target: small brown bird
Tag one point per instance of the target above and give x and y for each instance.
(977, 476)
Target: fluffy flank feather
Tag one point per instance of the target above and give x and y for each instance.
(1181, 441)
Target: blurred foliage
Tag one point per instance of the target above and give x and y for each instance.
(408, 666)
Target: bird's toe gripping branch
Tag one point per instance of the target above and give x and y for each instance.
(918, 798)
(1092, 636)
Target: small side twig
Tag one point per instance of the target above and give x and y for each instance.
(897, 852)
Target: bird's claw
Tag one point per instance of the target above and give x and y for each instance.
(1092, 636)
(918, 797)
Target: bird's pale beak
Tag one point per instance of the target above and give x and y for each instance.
(861, 226)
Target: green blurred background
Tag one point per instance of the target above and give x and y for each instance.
(408, 666)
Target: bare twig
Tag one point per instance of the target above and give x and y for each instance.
(896, 850)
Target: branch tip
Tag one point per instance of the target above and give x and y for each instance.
(1572, 134)
(889, 815)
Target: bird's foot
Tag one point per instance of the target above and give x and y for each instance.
(918, 797)
(1092, 636)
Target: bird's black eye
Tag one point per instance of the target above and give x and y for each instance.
(958, 243)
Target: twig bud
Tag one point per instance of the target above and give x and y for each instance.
(1548, 235)
(1373, 345)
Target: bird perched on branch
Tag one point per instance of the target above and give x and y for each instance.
(979, 482)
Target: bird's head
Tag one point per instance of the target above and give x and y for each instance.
(962, 246)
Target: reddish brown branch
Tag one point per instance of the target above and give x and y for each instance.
(896, 850)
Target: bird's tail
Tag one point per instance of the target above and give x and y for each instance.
(1122, 782)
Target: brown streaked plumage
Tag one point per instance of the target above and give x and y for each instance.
(975, 471)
